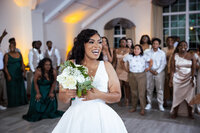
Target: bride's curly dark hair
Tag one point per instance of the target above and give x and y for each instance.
(78, 51)
(41, 67)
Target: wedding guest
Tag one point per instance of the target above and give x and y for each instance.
(107, 52)
(3, 93)
(3, 35)
(15, 73)
(91, 114)
(145, 42)
(129, 43)
(156, 75)
(137, 76)
(54, 54)
(122, 74)
(12, 40)
(182, 78)
(169, 50)
(43, 103)
(197, 56)
(35, 55)
(176, 40)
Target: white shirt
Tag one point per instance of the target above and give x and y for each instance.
(136, 63)
(175, 44)
(159, 59)
(2, 52)
(30, 57)
(57, 53)
(1, 61)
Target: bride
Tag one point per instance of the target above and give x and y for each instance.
(90, 114)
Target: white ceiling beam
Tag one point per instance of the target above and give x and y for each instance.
(58, 9)
(100, 12)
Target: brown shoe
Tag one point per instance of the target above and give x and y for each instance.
(132, 110)
(126, 102)
(142, 112)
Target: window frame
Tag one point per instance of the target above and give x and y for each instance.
(187, 13)
(121, 35)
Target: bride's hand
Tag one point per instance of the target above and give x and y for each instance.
(92, 94)
(65, 95)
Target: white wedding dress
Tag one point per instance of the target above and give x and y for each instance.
(92, 116)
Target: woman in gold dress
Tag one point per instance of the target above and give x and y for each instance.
(122, 74)
(182, 77)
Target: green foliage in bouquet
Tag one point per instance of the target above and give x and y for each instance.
(83, 87)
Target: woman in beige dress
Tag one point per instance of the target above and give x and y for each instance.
(106, 51)
(122, 74)
(182, 76)
(145, 42)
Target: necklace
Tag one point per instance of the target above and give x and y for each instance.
(91, 71)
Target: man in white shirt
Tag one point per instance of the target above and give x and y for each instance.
(3, 92)
(35, 55)
(156, 75)
(53, 54)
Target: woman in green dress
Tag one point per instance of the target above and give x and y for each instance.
(43, 103)
(15, 73)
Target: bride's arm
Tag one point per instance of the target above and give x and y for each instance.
(114, 94)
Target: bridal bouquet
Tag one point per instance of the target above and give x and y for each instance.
(75, 77)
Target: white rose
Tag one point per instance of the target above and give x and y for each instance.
(80, 78)
(61, 78)
(69, 83)
(65, 71)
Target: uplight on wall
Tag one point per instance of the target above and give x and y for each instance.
(22, 3)
(74, 17)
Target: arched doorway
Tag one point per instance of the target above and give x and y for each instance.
(117, 28)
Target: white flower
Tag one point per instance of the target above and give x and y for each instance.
(69, 83)
(61, 78)
(80, 78)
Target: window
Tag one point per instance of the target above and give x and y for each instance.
(183, 19)
(119, 32)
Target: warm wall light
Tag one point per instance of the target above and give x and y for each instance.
(22, 3)
(70, 37)
(74, 17)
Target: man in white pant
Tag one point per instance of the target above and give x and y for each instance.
(156, 76)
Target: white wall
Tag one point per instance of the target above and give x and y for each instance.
(38, 27)
(137, 11)
(17, 21)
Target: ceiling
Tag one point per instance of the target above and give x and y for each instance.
(49, 6)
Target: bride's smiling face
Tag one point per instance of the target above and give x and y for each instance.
(93, 47)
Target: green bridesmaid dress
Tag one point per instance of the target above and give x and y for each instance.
(45, 107)
(15, 88)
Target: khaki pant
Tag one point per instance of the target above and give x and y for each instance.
(158, 82)
(137, 82)
(3, 91)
